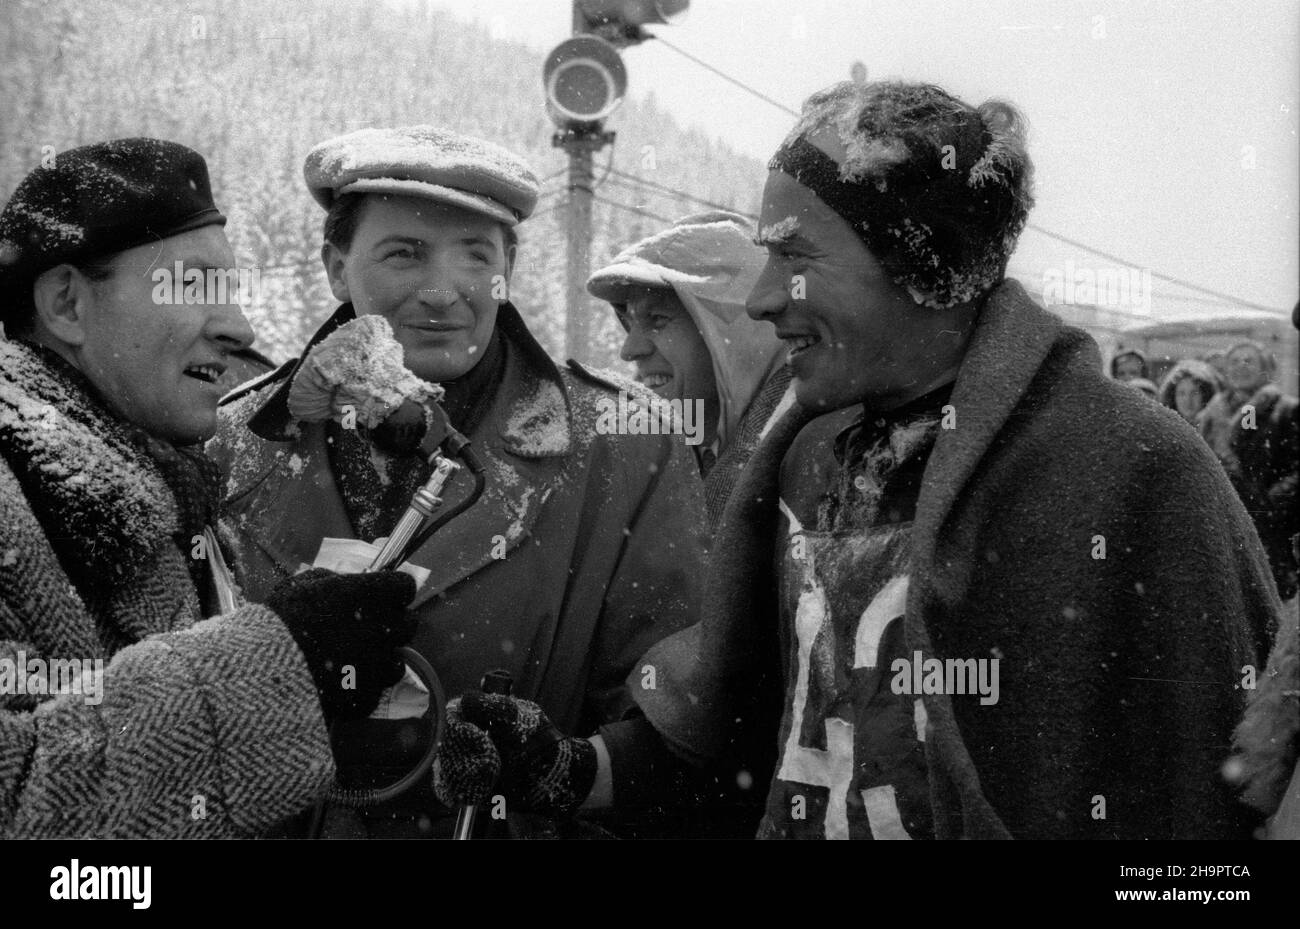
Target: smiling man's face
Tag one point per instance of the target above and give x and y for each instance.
(157, 364)
(664, 343)
(854, 335)
(436, 272)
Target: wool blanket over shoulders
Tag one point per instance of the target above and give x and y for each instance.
(1081, 534)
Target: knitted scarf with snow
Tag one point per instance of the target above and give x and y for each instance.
(192, 477)
(96, 482)
(195, 482)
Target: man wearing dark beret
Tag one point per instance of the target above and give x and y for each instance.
(110, 545)
(584, 548)
(1011, 598)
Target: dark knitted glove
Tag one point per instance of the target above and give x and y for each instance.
(543, 771)
(348, 621)
(467, 765)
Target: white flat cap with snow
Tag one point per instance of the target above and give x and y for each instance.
(424, 161)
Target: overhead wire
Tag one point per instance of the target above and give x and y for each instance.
(1228, 298)
(726, 77)
(670, 191)
(631, 209)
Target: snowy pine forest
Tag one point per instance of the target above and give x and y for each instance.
(254, 85)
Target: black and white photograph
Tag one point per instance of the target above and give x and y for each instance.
(649, 421)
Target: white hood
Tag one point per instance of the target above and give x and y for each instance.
(711, 262)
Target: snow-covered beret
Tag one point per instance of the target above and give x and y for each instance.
(715, 247)
(424, 161)
(101, 199)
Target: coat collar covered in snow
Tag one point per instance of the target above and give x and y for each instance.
(1012, 338)
(539, 426)
(100, 499)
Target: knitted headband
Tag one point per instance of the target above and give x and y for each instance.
(817, 171)
(942, 225)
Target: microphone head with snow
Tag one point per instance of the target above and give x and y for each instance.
(357, 375)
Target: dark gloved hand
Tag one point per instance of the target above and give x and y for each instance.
(467, 765)
(342, 620)
(542, 770)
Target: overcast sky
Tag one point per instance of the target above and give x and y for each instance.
(1162, 132)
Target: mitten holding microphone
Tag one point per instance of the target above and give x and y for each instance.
(343, 621)
(358, 369)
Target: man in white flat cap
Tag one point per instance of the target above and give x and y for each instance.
(583, 550)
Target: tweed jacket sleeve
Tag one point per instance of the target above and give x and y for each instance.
(213, 731)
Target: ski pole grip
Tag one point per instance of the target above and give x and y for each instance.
(494, 682)
(497, 682)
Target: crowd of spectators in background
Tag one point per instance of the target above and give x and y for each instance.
(1231, 398)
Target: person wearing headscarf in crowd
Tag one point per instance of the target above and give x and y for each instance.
(1247, 367)
(1188, 387)
(1129, 364)
(1266, 451)
(111, 549)
(1267, 741)
(1252, 426)
(680, 297)
(974, 494)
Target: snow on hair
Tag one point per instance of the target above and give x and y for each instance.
(948, 234)
(1006, 155)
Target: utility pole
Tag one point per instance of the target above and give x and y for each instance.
(577, 228)
(585, 81)
(577, 234)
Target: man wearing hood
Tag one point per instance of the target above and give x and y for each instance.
(680, 297)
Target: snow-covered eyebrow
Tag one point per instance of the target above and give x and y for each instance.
(780, 237)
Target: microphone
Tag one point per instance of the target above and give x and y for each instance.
(404, 430)
(357, 375)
